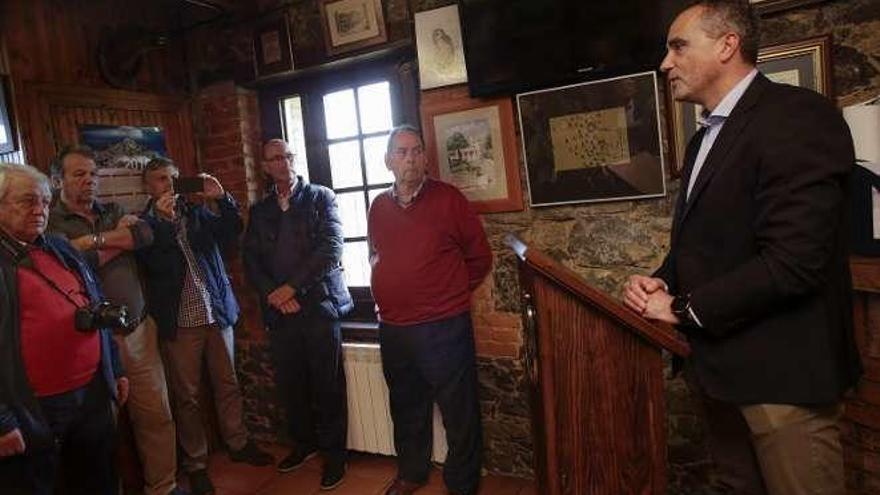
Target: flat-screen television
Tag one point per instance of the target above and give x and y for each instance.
(518, 45)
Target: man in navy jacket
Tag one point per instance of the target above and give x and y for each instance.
(292, 255)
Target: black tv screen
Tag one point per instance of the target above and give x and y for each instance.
(518, 45)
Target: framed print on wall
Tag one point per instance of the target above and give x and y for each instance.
(273, 52)
(764, 7)
(593, 141)
(805, 63)
(471, 143)
(352, 24)
(440, 49)
(7, 127)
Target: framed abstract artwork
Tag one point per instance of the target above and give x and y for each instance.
(593, 141)
(471, 143)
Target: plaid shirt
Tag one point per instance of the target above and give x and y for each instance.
(195, 302)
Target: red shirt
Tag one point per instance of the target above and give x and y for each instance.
(57, 358)
(427, 258)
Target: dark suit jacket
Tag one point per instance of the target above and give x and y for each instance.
(760, 246)
(317, 254)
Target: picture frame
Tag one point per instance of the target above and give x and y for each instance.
(764, 7)
(804, 63)
(273, 50)
(8, 140)
(440, 47)
(471, 143)
(352, 24)
(593, 141)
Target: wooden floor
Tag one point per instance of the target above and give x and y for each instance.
(366, 475)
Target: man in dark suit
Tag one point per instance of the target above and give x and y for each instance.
(757, 272)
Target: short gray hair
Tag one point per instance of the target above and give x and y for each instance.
(8, 170)
(403, 128)
(159, 163)
(738, 16)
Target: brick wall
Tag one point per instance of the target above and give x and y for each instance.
(228, 130)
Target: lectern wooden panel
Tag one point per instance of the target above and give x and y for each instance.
(596, 373)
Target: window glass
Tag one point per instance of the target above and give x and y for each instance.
(374, 101)
(345, 164)
(374, 154)
(340, 116)
(353, 213)
(355, 259)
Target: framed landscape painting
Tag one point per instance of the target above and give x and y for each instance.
(471, 143)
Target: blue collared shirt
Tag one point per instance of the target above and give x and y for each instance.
(715, 121)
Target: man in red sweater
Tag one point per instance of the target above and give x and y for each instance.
(428, 253)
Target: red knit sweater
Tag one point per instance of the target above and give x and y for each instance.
(426, 258)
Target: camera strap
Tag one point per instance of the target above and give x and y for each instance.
(18, 255)
(25, 262)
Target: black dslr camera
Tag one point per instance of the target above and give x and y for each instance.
(102, 315)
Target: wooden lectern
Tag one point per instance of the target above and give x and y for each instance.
(596, 375)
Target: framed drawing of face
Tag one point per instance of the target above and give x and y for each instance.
(441, 54)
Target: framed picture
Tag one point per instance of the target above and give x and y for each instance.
(593, 141)
(352, 24)
(121, 153)
(7, 127)
(273, 52)
(441, 53)
(764, 7)
(471, 143)
(804, 63)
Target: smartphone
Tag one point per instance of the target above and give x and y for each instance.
(187, 185)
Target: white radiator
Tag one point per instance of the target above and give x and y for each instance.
(369, 418)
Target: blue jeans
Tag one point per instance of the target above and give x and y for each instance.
(427, 363)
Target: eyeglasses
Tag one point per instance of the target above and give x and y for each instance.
(28, 201)
(277, 158)
(402, 152)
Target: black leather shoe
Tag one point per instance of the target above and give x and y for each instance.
(297, 457)
(333, 475)
(403, 487)
(199, 483)
(252, 455)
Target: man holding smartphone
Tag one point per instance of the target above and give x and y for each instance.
(190, 297)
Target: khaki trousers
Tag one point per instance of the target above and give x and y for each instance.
(183, 361)
(798, 448)
(148, 407)
(775, 449)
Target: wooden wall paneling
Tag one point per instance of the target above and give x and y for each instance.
(54, 113)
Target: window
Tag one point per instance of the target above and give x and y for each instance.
(357, 121)
(343, 120)
(293, 127)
